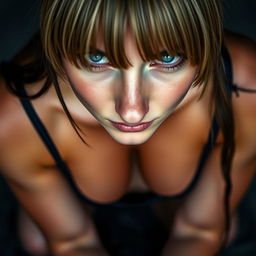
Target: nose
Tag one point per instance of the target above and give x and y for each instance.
(131, 103)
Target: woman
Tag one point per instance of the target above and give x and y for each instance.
(159, 131)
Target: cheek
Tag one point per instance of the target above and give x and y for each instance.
(86, 91)
(170, 89)
(89, 92)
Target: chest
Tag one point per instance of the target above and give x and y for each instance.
(105, 170)
(166, 164)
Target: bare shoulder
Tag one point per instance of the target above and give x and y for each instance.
(8, 108)
(14, 126)
(18, 139)
(242, 51)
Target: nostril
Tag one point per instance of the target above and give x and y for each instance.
(131, 113)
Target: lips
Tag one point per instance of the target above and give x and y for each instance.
(131, 128)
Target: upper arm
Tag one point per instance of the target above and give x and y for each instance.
(49, 201)
(41, 190)
(202, 212)
(242, 51)
(38, 184)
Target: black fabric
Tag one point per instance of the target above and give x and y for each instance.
(130, 231)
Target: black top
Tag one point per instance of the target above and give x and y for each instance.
(130, 199)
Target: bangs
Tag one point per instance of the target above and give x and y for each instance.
(188, 28)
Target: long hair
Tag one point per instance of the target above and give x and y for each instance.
(189, 28)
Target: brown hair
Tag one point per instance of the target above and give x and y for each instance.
(191, 28)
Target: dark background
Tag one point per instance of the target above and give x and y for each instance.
(19, 20)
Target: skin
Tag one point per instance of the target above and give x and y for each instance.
(129, 96)
(144, 92)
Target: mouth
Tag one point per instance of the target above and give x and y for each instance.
(131, 127)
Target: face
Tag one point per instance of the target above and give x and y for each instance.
(132, 103)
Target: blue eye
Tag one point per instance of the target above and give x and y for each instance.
(97, 58)
(168, 63)
(165, 57)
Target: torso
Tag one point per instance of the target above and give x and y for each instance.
(96, 168)
(165, 164)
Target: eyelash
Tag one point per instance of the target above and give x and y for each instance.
(172, 67)
(98, 67)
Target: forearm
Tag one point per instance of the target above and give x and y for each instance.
(79, 250)
(191, 246)
(82, 251)
(84, 245)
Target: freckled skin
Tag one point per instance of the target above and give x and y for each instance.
(142, 93)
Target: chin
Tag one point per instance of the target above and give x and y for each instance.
(131, 138)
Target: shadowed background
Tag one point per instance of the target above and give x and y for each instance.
(19, 21)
